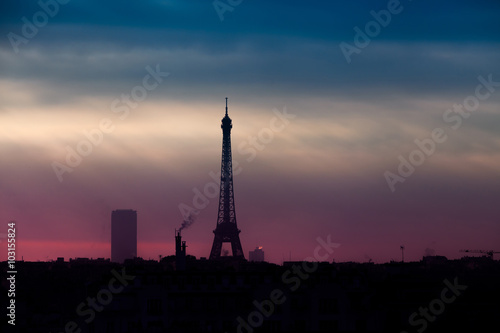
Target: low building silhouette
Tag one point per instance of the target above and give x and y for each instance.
(256, 255)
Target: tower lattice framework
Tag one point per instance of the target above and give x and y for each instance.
(226, 230)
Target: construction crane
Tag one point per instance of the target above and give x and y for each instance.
(489, 253)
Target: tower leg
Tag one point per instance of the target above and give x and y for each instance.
(216, 247)
(236, 247)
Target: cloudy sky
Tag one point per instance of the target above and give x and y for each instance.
(117, 104)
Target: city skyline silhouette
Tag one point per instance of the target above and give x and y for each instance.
(249, 166)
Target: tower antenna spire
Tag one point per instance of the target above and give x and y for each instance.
(226, 106)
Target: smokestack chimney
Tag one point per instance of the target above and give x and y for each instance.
(177, 242)
(180, 252)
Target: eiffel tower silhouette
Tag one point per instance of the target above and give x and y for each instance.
(226, 230)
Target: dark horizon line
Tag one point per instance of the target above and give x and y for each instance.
(267, 262)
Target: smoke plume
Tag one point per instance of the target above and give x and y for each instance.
(188, 221)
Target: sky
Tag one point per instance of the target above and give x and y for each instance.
(374, 123)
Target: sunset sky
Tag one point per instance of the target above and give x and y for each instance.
(321, 170)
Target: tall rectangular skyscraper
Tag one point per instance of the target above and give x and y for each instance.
(123, 235)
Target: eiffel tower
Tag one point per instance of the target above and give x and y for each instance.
(226, 230)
